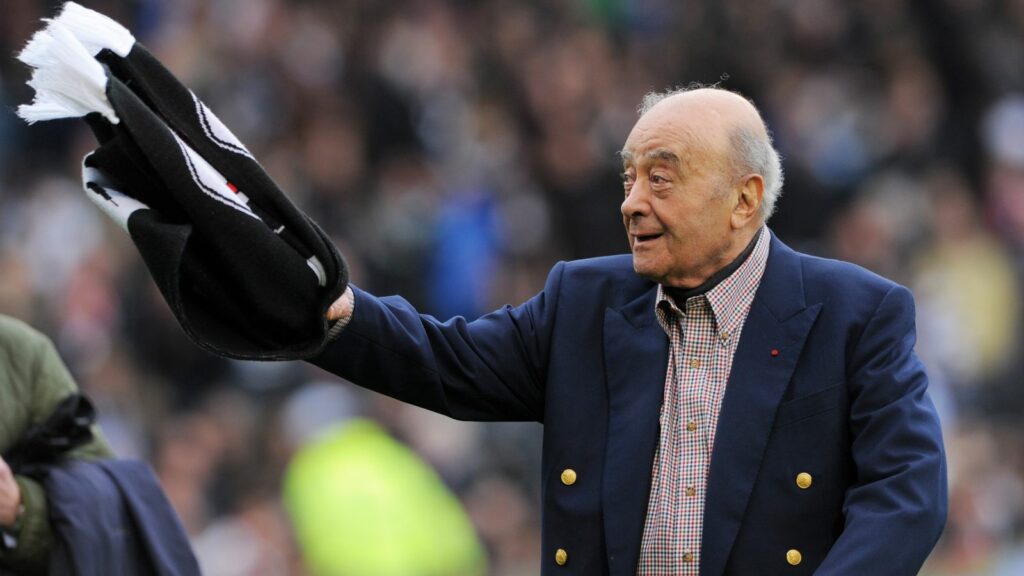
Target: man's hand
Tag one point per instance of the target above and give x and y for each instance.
(342, 307)
(10, 496)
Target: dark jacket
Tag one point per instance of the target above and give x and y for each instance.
(843, 398)
(111, 518)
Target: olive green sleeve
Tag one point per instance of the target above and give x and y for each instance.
(47, 383)
(30, 553)
(53, 384)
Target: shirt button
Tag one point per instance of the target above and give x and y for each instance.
(691, 491)
(561, 557)
(695, 363)
(804, 480)
(691, 425)
(794, 557)
(568, 476)
(687, 557)
(724, 335)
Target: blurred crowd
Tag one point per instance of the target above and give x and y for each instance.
(456, 149)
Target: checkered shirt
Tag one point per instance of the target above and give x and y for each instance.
(703, 338)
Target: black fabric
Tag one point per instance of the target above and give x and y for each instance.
(238, 280)
(111, 518)
(43, 444)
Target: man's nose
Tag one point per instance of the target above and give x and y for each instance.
(635, 203)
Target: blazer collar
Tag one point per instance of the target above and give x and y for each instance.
(635, 358)
(782, 286)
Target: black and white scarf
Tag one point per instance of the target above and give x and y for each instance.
(246, 273)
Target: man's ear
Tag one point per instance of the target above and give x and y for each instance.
(748, 200)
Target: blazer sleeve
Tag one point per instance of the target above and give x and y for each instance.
(896, 508)
(489, 369)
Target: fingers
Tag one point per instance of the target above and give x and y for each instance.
(10, 495)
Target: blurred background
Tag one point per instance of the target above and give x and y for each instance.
(457, 149)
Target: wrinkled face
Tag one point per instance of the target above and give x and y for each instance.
(678, 198)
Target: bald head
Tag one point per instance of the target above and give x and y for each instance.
(724, 121)
(712, 100)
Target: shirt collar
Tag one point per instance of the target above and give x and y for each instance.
(731, 298)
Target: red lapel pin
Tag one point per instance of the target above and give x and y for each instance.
(775, 352)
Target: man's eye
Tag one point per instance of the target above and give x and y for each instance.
(657, 179)
(627, 178)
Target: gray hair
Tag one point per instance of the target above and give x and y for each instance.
(752, 153)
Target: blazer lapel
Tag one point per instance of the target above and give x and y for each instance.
(636, 357)
(779, 320)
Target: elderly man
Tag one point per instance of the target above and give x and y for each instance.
(716, 404)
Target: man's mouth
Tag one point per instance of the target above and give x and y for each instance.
(641, 238)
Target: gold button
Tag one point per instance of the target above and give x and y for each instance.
(804, 480)
(794, 557)
(691, 425)
(691, 491)
(568, 476)
(561, 557)
(695, 363)
(687, 557)
(724, 336)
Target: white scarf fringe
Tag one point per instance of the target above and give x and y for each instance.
(68, 81)
(96, 31)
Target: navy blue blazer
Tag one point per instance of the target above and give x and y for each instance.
(844, 400)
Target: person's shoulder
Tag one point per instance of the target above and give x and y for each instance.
(840, 273)
(616, 269)
(849, 285)
(16, 334)
(21, 348)
(619, 264)
(609, 280)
